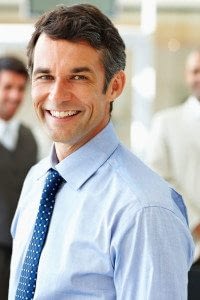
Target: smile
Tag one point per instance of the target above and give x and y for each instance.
(63, 114)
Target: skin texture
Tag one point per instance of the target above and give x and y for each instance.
(70, 80)
(192, 73)
(12, 89)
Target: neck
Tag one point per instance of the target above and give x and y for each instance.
(63, 149)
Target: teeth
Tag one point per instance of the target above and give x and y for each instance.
(63, 114)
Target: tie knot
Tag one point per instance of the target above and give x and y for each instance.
(53, 182)
(54, 175)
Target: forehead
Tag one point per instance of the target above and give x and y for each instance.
(193, 61)
(59, 52)
(12, 77)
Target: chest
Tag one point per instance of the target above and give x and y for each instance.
(77, 248)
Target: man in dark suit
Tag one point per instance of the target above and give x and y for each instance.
(18, 152)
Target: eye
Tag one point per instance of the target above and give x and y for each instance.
(8, 87)
(79, 77)
(44, 77)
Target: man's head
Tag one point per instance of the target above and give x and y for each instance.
(80, 23)
(76, 59)
(13, 79)
(192, 73)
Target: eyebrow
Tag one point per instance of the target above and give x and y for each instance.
(73, 71)
(41, 70)
(81, 69)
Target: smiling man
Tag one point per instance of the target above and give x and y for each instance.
(93, 221)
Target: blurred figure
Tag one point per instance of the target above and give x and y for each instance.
(18, 152)
(174, 147)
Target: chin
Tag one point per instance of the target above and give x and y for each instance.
(58, 138)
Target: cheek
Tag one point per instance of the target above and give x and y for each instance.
(21, 96)
(5, 95)
(36, 95)
(37, 104)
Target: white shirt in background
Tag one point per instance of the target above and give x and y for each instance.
(9, 131)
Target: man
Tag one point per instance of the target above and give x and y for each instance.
(18, 153)
(174, 147)
(116, 231)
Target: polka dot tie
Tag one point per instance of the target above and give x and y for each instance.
(27, 282)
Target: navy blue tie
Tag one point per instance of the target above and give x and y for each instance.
(27, 282)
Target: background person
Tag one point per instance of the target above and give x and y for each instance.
(174, 146)
(18, 153)
(116, 231)
(174, 152)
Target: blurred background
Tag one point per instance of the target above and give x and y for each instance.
(158, 35)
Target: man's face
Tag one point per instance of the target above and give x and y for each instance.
(67, 90)
(12, 89)
(193, 74)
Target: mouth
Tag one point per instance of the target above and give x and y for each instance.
(63, 114)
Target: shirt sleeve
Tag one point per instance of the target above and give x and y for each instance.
(152, 256)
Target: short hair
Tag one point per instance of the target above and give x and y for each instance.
(11, 63)
(83, 22)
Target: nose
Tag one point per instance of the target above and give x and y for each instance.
(16, 95)
(60, 91)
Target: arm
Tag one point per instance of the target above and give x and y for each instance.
(152, 257)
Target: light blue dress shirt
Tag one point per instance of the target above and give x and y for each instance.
(117, 231)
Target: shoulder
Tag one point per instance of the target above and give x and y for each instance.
(39, 169)
(142, 187)
(35, 172)
(26, 133)
(24, 128)
(166, 123)
(170, 114)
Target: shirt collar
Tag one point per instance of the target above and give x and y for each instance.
(85, 161)
(8, 125)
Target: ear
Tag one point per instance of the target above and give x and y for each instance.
(116, 85)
